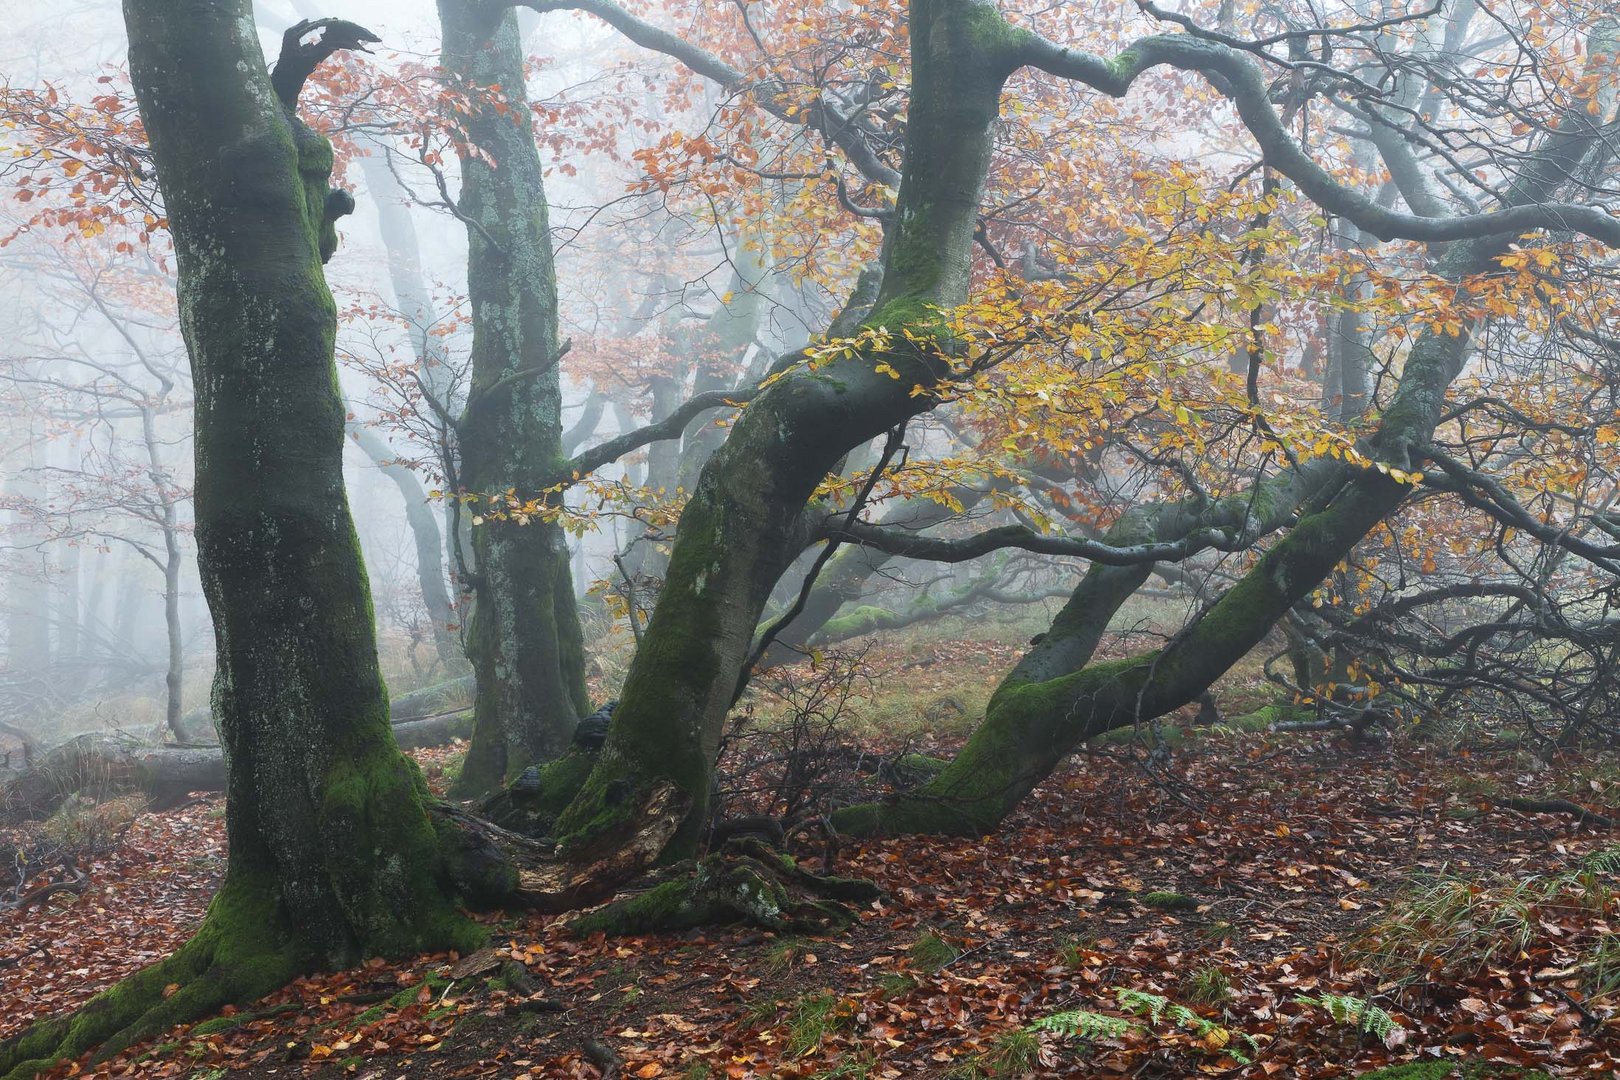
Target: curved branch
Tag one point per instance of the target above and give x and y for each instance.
(842, 131)
(1485, 494)
(935, 549)
(1240, 80)
(670, 427)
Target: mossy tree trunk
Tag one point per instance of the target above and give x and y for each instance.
(746, 519)
(524, 637)
(333, 855)
(1055, 699)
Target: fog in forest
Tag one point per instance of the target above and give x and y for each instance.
(982, 538)
(104, 620)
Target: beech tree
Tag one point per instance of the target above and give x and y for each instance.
(750, 513)
(336, 850)
(524, 639)
(333, 856)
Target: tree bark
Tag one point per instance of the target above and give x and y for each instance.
(745, 520)
(333, 855)
(524, 639)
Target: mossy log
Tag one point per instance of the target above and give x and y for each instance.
(106, 764)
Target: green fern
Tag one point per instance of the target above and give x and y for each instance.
(1080, 1024)
(1210, 1035)
(1143, 1003)
(1606, 861)
(1357, 1012)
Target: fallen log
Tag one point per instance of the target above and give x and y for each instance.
(449, 698)
(106, 764)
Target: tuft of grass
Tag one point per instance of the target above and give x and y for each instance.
(930, 952)
(1011, 1053)
(785, 954)
(1072, 950)
(813, 1017)
(896, 985)
(853, 1067)
(698, 1070)
(1600, 974)
(1454, 928)
(1472, 784)
(760, 1011)
(85, 827)
(1206, 986)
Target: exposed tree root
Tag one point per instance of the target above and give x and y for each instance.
(229, 961)
(747, 882)
(38, 896)
(497, 866)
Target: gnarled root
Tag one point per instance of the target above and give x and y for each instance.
(229, 961)
(747, 882)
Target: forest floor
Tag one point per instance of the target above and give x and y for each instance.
(1237, 876)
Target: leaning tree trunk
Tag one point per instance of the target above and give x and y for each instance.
(1055, 699)
(746, 519)
(524, 639)
(333, 855)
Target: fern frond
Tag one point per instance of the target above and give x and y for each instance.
(1354, 1011)
(1081, 1024)
(1606, 861)
(1143, 1003)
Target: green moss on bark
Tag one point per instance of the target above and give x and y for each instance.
(241, 952)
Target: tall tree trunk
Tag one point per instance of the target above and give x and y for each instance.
(333, 855)
(414, 300)
(69, 617)
(27, 601)
(128, 602)
(524, 640)
(171, 565)
(746, 518)
(644, 557)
